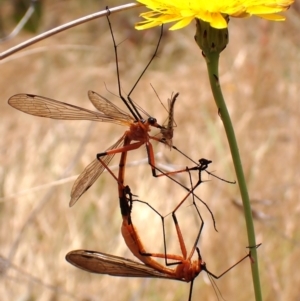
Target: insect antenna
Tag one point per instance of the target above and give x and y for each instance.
(215, 287)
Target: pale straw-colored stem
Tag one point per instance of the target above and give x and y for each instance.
(66, 26)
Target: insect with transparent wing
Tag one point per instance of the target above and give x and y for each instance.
(186, 269)
(136, 136)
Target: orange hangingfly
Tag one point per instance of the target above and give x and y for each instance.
(186, 269)
(165, 136)
(138, 131)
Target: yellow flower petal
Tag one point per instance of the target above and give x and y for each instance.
(182, 23)
(272, 17)
(212, 11)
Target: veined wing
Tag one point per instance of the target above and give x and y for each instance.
(50, 108)
(105, 106)
(101, 263)
(90, 174)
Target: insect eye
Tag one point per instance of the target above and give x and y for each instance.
(152, 120)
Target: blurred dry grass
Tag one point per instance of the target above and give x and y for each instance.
(260, 77)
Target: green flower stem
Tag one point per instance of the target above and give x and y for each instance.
(212, 42)
(212, 60)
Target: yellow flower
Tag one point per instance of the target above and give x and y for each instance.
(212, 11)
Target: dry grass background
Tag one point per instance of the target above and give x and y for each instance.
(260, 77)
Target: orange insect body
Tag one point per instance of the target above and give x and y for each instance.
(186, 270)
(138, 131)
(134, 244)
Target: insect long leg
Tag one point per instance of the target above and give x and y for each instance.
(131, 108)
(179, 234)
(203, 164)
(128, 102)
(231, 267)
(167, 256)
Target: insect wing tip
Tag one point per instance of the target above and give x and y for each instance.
(80, 260)
(13, 99)
(74, 196)
(72, 202)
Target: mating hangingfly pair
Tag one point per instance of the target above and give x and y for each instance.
(134, 137)
(185, 270)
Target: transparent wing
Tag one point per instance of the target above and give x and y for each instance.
(50, 108)
(90, 174)
(107, 107)
(101, 263)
